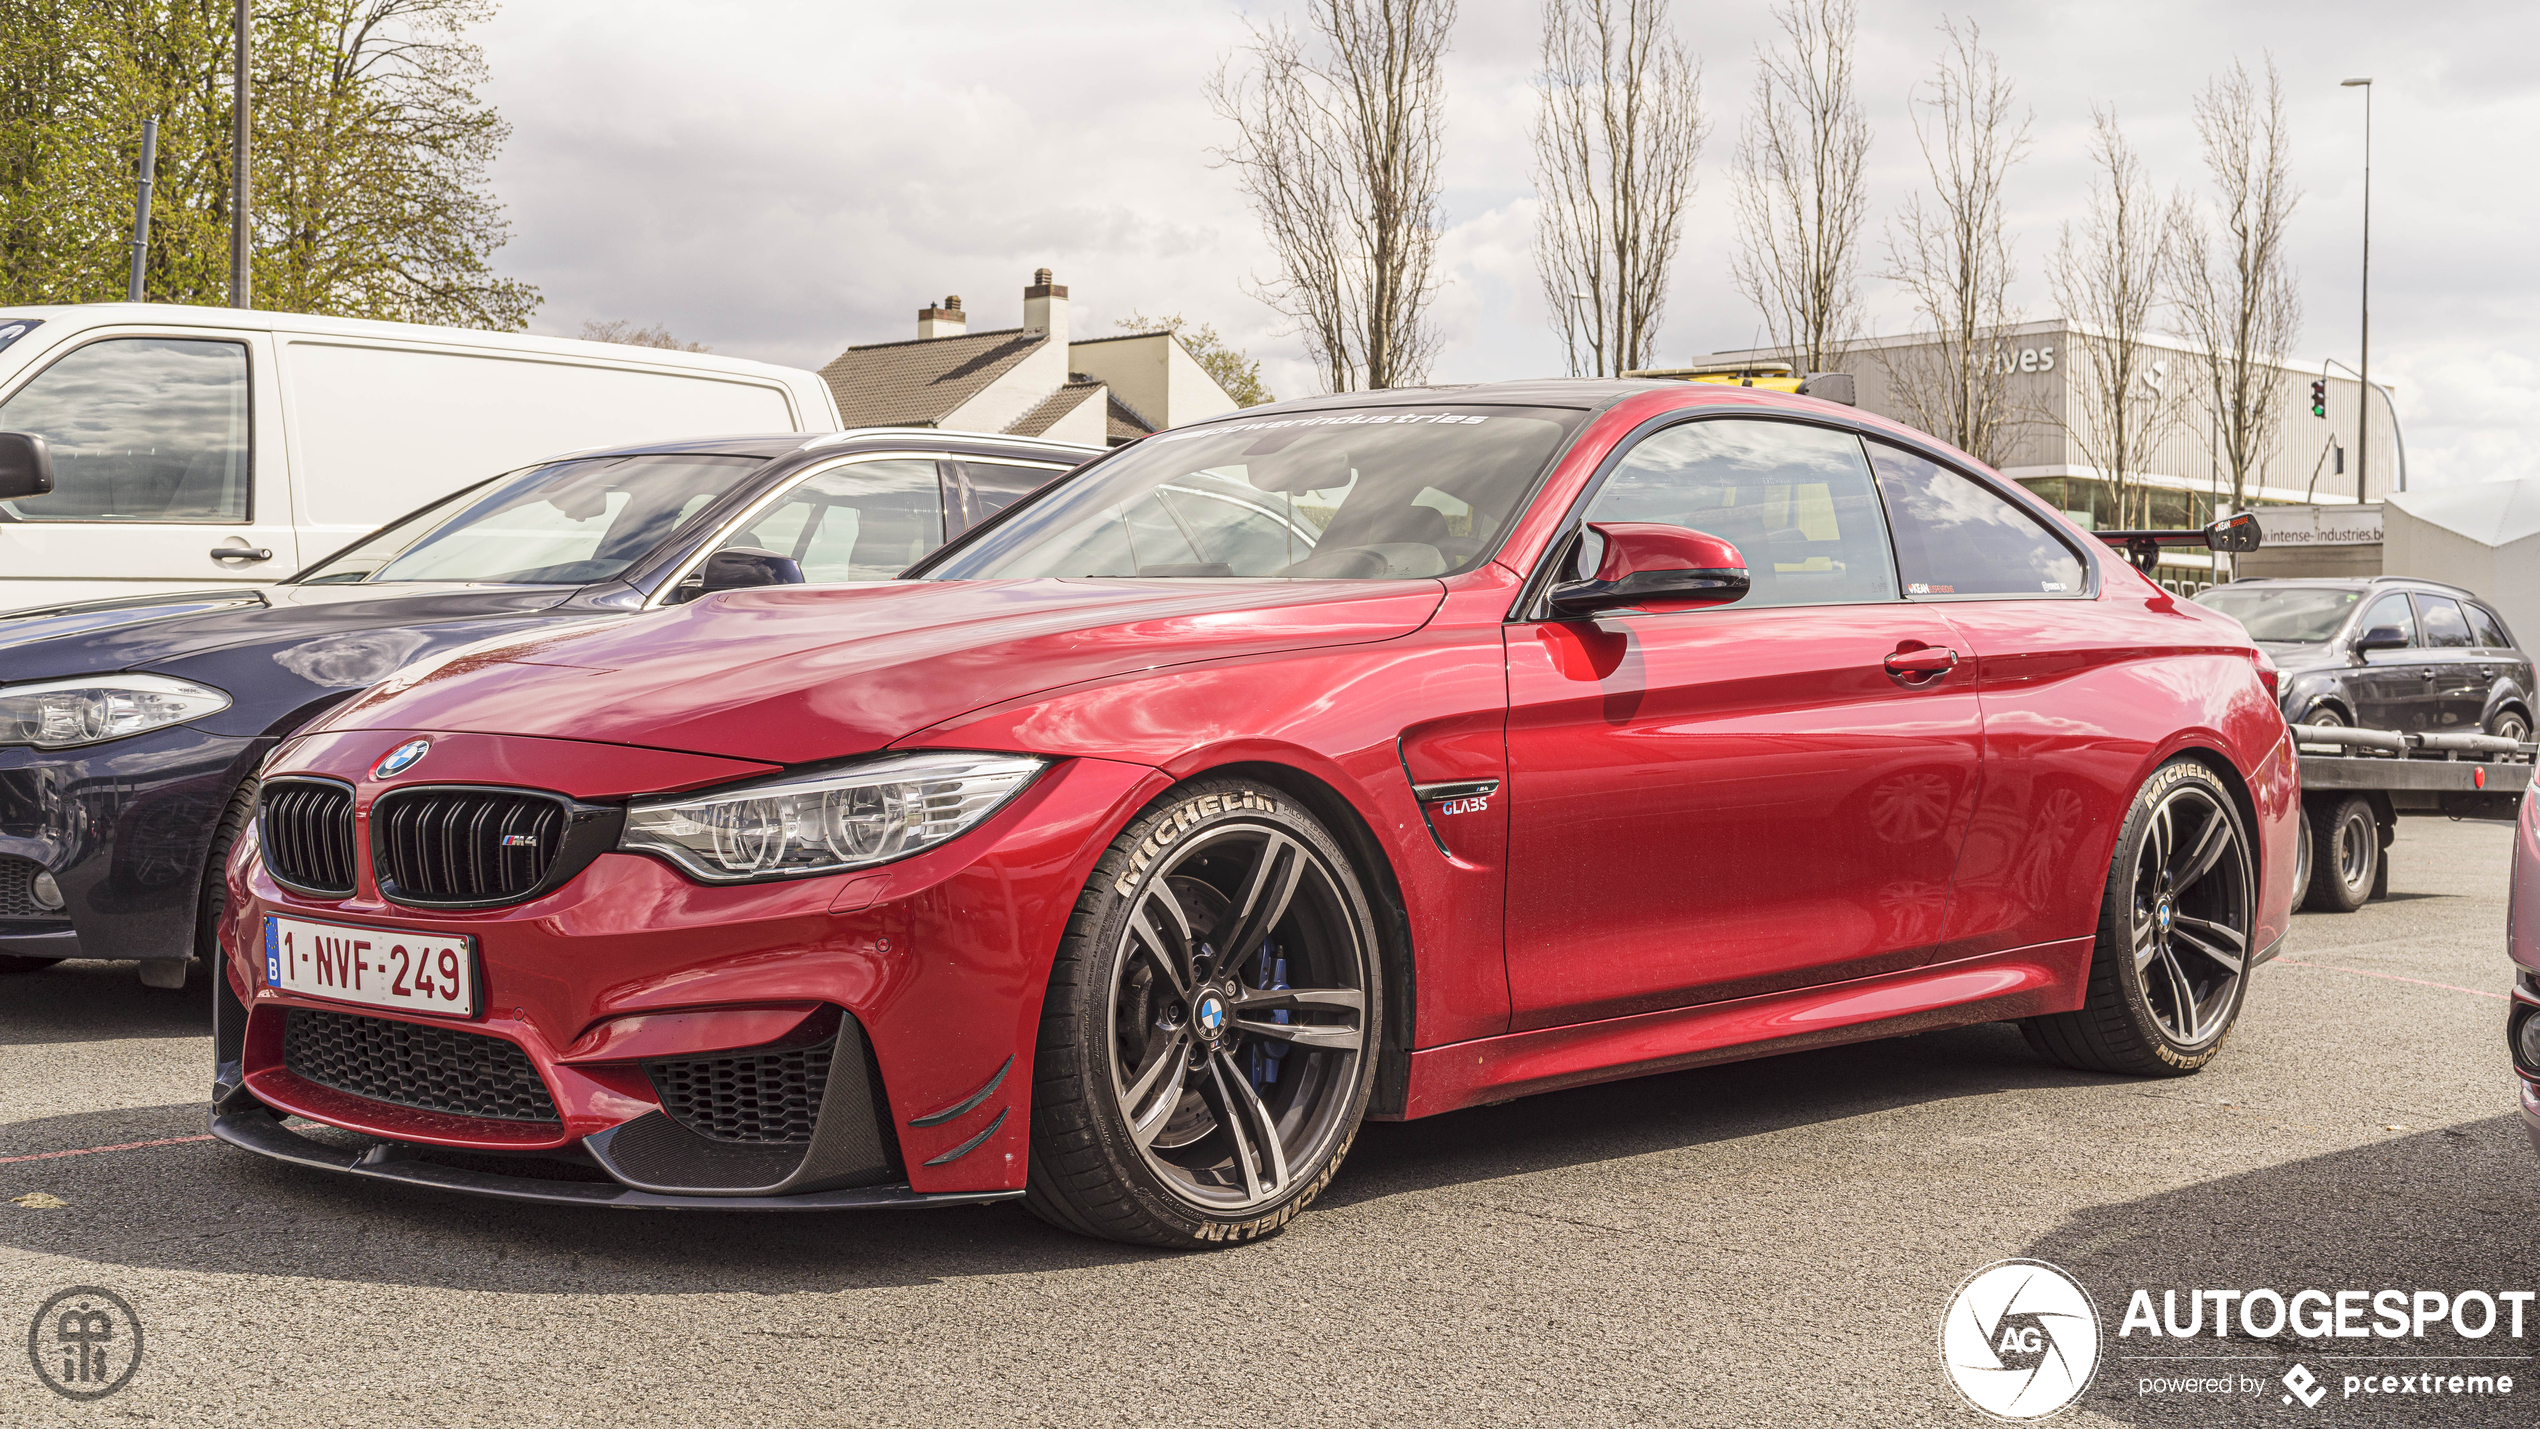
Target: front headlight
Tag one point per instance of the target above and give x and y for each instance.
(799, 825)
(61, 714)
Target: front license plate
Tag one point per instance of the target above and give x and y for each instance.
(377, 967)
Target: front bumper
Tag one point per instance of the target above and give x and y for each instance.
(123, 828)
(935, 965)
(257, 1130)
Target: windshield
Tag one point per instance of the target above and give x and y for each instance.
(565, 523)
(1351, 495)
(2295, 615)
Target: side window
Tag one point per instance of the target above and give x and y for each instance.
(996, 485)
(867, 521)
(2489, 630)
(1954, 537)
(1795, 500)
(142, 429)
(2391, 609)
(2444, 623)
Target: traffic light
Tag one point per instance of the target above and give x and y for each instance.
(2319, 397)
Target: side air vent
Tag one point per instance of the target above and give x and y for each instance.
(306, 827)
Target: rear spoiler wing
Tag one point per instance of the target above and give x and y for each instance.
(2231, 534)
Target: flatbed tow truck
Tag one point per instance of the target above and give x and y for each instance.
(2358, 783)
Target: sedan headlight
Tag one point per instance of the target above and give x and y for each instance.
(800, 825)
(61, 714)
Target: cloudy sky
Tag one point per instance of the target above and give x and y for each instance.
(780, 178)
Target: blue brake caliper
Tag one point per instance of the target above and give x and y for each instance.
(1267, 1055)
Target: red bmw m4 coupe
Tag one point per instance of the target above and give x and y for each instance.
(1370, 756)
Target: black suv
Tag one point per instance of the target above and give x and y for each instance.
(2386, 653)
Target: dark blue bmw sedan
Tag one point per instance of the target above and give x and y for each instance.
(130, 731)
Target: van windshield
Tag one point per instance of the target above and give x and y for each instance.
(565, 523)
(1348, 494)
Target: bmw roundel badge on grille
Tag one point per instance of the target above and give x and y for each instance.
(401, 759)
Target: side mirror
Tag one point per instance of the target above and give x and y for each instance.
(26, 465)
(741, 567)
(1647, 563)
(2381, 637)
(2235, 534)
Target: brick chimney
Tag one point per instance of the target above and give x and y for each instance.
(946, 321)
(1045, 307)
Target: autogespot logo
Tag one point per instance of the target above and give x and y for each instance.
(2020, 1339)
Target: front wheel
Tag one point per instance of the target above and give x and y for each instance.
(2172, 958)
(2510, 724)
(1211, 1033)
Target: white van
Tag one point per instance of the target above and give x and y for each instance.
(207, 446)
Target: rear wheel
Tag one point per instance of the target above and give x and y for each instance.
(2345, 853)
(2513, 725)
(2175, 923)
(1210, 1040)
(2328, 717)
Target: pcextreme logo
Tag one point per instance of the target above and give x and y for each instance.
(2020, 1340)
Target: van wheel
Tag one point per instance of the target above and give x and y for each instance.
(1210, 1038)
(2346, 853)
(2171, 963)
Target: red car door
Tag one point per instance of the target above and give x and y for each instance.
(1714, 803)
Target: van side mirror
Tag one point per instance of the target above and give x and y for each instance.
(26, 466)
(1654, 564)
(741, 567)
(2381, 637)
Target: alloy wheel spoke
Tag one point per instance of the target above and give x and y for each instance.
(1147, 1117)
(2147, 945)
(2182, 997)
(1235, 1097)
(2211, 950)
(1172, 963)
(1268, 886)
(1252, 1013)
(2161, 837)
(2212, 842)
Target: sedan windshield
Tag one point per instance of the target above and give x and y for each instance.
(565, 523)
(1352, 494)
(2295, 615)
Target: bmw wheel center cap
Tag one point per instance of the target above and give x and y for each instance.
(1209, 1015)
(402, 758)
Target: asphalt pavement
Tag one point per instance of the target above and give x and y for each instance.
(1771, 1242)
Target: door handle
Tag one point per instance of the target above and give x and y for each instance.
(1926, 661)
(241, 553)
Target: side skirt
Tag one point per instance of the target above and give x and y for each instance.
(2019, 982)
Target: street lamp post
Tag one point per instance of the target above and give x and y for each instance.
(2363, 398)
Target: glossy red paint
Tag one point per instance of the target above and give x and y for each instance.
(1719, 832)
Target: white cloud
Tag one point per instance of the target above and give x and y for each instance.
(780, 179)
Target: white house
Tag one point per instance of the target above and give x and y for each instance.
(1035, 380)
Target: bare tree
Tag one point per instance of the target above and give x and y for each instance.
(1800, 199)
(1339, 152)
(1953, 255)
(1616, 138)
(2234, 289)
(2107, 278)
(626, 332)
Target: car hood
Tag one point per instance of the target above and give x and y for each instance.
(150, 632)
(2291, 656)
(791, 675)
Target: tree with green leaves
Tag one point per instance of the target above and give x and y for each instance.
(371, 148)
(1239, 375)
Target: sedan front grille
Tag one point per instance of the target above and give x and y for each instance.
(307, 832)
(411, 1064)
(445, 846)
(770, 1096)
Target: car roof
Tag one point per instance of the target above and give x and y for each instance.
(2354, 583)
(777, 444)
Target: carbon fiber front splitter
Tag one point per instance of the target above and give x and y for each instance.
(257, 1130)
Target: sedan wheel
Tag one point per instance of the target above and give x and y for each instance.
(2172, 958)
(2510, 724)
(1210, 1036)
